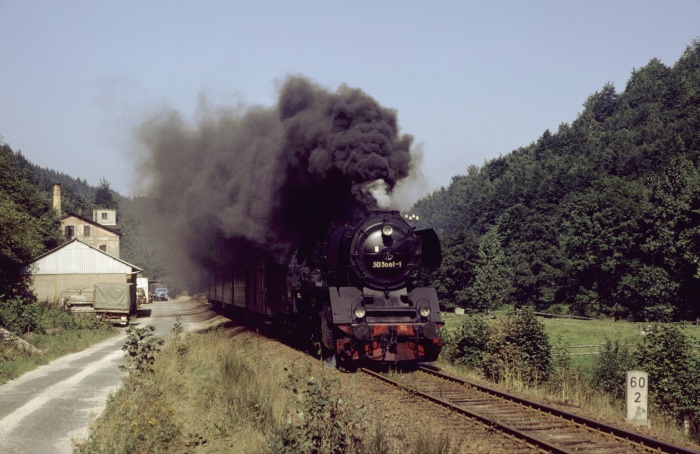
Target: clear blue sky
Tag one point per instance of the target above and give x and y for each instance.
(470, 80)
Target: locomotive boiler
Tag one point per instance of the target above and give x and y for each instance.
(352, 290)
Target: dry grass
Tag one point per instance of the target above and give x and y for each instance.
(234, 391)
(568, 390)
(207, 392)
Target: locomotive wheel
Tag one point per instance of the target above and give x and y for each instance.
(327, 336)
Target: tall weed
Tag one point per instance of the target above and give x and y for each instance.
(141, 348)
(319, 420)
(233, 392)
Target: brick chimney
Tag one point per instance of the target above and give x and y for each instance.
(57, 199)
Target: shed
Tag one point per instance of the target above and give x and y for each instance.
(74, 268)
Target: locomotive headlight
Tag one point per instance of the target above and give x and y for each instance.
(387, 230)
(360, 312)
(424, 311)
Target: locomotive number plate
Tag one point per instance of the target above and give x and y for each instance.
(386, 264)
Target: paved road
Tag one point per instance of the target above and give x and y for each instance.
(44, 410)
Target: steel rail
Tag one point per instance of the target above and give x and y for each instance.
(512, 431)
(648, 442)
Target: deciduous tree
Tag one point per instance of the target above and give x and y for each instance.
(28, 224)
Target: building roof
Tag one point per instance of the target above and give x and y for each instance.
(91, 222)
(77, 257)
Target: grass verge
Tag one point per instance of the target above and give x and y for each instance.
(57, 341)
(234, 391)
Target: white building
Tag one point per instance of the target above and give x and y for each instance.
(73, 269)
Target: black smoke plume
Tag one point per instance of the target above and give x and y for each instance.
(245, 182)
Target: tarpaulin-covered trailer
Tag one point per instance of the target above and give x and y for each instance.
(115, 301)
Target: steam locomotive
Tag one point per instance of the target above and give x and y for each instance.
(351, 290)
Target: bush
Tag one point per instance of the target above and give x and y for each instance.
(610, 368)
(666, 355)
(470, 341)
(21, 316)
(518, 349)
(657, 313)
(54, 317)
(558, 309)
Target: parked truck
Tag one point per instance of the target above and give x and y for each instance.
(142, 293)
(115, 301)
(158, 291)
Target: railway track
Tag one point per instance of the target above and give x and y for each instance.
(540, 426)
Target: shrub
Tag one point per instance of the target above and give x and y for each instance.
(666, 355)
(470, 341)
(518, 348)
(657, 313)
(449, 346)
(558, 309)
(610, 368)
(21, 316)
(54, 318)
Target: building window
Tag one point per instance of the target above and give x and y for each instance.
(103, 247)
(86, 230)
(70, 233)
(104, 216)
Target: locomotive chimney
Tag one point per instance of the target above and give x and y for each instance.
(57, 199)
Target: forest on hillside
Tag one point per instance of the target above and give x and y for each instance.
(601, 217)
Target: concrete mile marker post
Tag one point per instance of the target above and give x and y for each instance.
(637, 398)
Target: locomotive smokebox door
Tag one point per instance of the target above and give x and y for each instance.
(385, 252)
